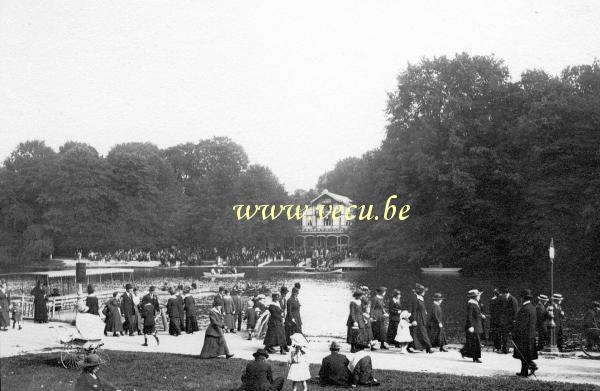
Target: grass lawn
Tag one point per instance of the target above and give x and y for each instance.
(160, 371)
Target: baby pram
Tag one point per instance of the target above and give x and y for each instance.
(86, 339)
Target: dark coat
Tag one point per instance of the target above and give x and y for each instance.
(87, 383)
(510, 306)
(334, 370)
(418, 313)
(361, 335)
(474, 318)
(541, 317)
(148, 313)
(495, 307)
(363, 372)
(258, 376)
(113, 317)
(215, 328)
(394, 310)
(378, 319)
(218, 300)
(173, 308)
(190, 306)
(4, 310)
(127, 306)
(275, 332)
(293, 312)
(436, 333)
(92, 303)
(151, 299)
(39, 304)
(524, 333)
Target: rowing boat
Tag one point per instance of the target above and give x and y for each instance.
(317, 272)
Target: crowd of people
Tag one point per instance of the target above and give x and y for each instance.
(244, 256)
(376, 320)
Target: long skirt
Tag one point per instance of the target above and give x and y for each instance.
(437, 335)
(275, 335)
(260, 328)
(379, 331)
(4, 317)
(392, 331)
(40, 314)
(420, 337)
(191, 324)
(472, 347)
(290, 329)
(113, 321)
(229, 321)
(251, 321)
(174, 326)
(214, 347)
(369, 329)
(358, 337)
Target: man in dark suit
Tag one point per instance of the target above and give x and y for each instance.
(151, 298)
(508, 313)
(559, 316)
(334, 368)
(258, 375)
(218, 300)
(238, 307)
(128, 310)
(524, 335)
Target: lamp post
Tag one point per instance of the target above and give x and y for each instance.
(552, 348)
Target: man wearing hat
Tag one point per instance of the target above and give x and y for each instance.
(89, 380)
(218, 300)
(524, 335)
(435, 323)
(559, 316)
(418, 319)
(128, 310)
(238, 307)
(151, 298)
(334, 368)
(542, 318)
(378, 315)
(258, 375)
(507, 318)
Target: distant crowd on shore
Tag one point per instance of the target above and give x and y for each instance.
(245, 256)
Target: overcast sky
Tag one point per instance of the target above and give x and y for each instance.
(299, 85)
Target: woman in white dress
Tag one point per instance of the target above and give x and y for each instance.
(403, 336)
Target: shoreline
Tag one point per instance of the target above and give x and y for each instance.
(558, 369)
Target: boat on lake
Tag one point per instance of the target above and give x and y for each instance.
(313, 271)
(440, 269)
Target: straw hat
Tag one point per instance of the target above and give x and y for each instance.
(557, 296)
(473, 293)
(420, 289)
(404, 314)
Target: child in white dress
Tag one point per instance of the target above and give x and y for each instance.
(403, 336)
(299, 371)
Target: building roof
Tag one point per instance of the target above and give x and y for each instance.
(339, 198)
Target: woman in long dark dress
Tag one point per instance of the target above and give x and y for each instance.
(357, 336)
(418, 319)
(473, 327)
(394, 309)
(275, 330)
(4, 307)
(40, 310)
(435, 323)
(91, 301)
(113, 317)
(214, 341)
(293, 321)
(191, 324)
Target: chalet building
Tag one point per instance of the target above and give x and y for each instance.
(321, 230)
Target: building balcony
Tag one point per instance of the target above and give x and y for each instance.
(324, 229)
